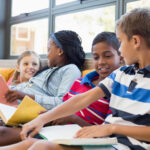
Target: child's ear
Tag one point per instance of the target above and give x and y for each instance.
(136, 41)
(122, 62)
(61, 52)
(17, 68)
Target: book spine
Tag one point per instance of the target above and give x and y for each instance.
(40, 136)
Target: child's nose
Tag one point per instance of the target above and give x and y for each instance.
(30, 66)
(120, 49)
(101, 61)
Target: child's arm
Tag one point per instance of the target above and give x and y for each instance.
(69, 107)
(73, 119)
(138, 132)
(56, 93)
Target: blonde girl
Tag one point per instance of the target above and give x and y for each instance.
(28, 63)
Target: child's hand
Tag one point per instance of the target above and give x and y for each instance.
(62, 121)
(95, 131)
(31, 128)
(13, 95)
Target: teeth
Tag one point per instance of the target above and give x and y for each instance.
(30, 72)
(103, 69)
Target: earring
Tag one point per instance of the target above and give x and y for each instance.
(59, 54)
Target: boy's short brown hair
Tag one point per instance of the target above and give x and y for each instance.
(136, 22)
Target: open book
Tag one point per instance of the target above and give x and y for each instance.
(26, 111)
(64, 134)
(3, 90)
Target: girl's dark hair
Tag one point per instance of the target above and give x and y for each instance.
(70, 43)
(109, 38)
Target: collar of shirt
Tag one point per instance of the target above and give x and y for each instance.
(145, 70)
(87, 79)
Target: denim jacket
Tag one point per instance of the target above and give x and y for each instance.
(50, 95)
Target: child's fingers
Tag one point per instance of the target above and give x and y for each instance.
(12, 98)
(10, 95)
(23, 135)
(78, 133)
(9, 92)
(25, 131)
(82, 133)
(33, 132)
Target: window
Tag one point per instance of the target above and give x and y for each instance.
(27, 6)
(137, 4)
(59, 2)
(88, 23)
(31, 35)
(86, 17)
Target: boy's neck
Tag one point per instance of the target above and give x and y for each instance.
(144, 58)
(96, 82)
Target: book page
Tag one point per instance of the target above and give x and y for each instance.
(64, 134)
(6, 112)
(59, 132)
(87, 141)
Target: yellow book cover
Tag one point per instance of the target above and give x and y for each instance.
(26, 111)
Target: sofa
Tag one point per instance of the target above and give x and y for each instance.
(7, 67)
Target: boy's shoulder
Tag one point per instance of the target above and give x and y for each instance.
(128, 69)
(123, 70)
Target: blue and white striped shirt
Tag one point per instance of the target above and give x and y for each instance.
(130, 106)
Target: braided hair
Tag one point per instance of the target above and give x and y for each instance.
(70, 43)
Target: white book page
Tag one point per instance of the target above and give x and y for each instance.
(87, 141)
(7, 111)
(59, 132)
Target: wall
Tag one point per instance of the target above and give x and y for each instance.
(2, 27)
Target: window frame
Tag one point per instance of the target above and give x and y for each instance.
(55, 10)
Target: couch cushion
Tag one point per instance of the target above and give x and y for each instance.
(84, 72)
(6, 73)
(8, 63)
(11, 63)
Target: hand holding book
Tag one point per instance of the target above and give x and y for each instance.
(12, 95)
(3, 91)
(31, 128)
(95, 131)
(26, 111)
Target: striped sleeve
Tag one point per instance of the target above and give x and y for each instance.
(107, 84)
